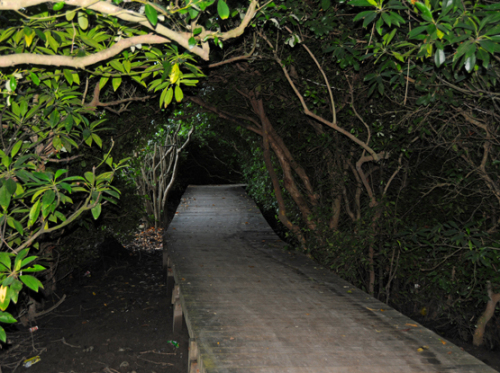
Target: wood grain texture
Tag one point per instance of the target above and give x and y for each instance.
(250, 306)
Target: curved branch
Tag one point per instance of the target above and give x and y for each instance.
(332, 101)
(238, 58)
(110, 9)
(79, 62)
(359, 169)
(313, 115)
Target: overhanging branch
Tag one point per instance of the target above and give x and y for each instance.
(108, 8)
(79, 62)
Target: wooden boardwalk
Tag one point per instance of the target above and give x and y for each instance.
(251, 307)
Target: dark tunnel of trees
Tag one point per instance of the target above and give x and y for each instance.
(366, 130)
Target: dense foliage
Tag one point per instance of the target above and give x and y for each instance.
(47, 50)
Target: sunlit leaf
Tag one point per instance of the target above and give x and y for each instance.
(83, 20)
(151, 14)
(96, 211)
(439, 57)
(179, 95)
(58, 6)
(32, 282)
(222, 9)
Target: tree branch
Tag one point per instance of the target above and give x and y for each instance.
(109, 8)
(79, 62)
(313, 115)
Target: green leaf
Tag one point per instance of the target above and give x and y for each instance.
(4, 299)
(489, 46)
(359, 3)
(13, 83)
(70, 14)
(58, 6)
(68, 123)
(28, 260)
(96, 211)
(97, 140)
(48, 198)
(90, 177)
(169, 96)
(14, 290)
(42, 176)
(470, 62)
(54, 45)
(3, 335)
(11, 186)
(222, 9)
(378, 27)
(60, 216)
(416, 31)
(59, 173)
(4, 197)
(32, 282)
(16, 110)
(127, 65)
(162, 97)
(7, 318)
(6, 34)
(387, 19)
(464, 48)
(179, 95)
(193, 13)
(24, 109)
(151, 15)
(35, 268)
(16, 148)
(192, 42)
(6, 161)
(426, 12)
(18, 227)
(439, 57)
(83, 20)
(69, 76)
(34, 213)
(34, 78)
(369, 18)
(19, 259)
(103, 81)
(325, 4)
(117, 65)
(5, 260)
(116, 83)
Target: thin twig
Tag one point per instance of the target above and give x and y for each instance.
(155, 362)
(51, 308)
(156, 352)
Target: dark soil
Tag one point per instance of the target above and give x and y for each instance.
(118, 319)
(489, 357)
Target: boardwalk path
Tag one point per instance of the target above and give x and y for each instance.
(251, 307)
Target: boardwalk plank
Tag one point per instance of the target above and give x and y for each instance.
(252, 307)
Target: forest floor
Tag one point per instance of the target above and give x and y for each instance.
(118, 319)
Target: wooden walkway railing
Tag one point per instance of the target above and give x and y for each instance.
(251, 307)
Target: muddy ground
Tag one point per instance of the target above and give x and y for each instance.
(117, 319)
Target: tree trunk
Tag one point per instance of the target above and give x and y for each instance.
(277, 188)
(278, 147)
(488, 313)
